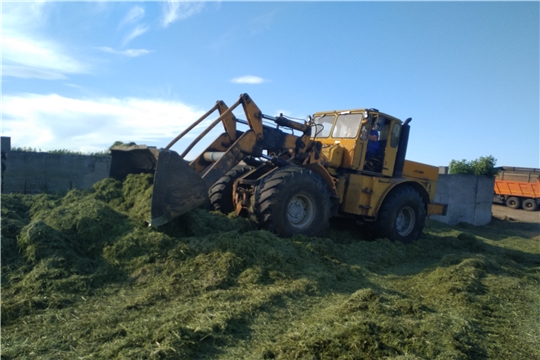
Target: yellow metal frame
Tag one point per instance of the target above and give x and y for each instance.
(363, 192)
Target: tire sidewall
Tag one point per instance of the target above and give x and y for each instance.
(297, 182)
(532, 207)
(513, 202)
(396, 202)
(282, 221)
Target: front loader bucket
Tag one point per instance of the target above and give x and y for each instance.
(134, 159)
(178, 188)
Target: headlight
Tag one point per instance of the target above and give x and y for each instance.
(366, 114)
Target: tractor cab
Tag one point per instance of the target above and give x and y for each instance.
(364, 140)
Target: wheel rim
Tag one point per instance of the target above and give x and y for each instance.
(405, 221)
(301, 211)
(512, 202)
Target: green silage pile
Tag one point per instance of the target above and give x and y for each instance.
(84, 277)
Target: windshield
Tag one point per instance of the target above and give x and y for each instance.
(347, 125)
(323, 125)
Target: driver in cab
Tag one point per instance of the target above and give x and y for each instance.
(373, 161)
(373, 144)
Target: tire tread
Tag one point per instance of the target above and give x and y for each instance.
(269, 192)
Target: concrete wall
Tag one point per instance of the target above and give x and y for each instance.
(469, 198)
(34, 172)
(5, 141)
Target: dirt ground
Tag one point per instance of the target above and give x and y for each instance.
(505, 213)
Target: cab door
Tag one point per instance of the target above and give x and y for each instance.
(391, 147)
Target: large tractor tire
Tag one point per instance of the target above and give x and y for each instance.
(291, 200)
(513, 202)
(529, 204)
(221, 196)
(402, 216)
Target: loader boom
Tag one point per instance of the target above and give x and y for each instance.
(180, 186)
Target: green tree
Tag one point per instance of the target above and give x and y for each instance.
(484, 165)
(460, 167)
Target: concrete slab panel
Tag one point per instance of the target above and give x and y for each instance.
(468, 197)
(5, 142)
(32, 172)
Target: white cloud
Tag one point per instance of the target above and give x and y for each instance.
(35, 54)
(248, 79)
(180, 10)
(24, 15)
(26, 72)
(25, 51)
(127, 52)
(138, 31)
(56, 122)
(135, 14)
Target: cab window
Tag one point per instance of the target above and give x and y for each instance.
(396, 130)
(323, 126)
(347, 125)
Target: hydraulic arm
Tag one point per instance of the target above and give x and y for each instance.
(180, 186)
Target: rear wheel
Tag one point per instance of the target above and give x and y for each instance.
(530, 205)
(291, 200)
(221, 196)
(513, 202)
(402, 216)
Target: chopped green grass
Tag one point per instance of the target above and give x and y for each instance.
(83, 276)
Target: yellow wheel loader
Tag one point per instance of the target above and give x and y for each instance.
(291, 177)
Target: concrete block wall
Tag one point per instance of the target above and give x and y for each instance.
(35, 172)
(6, 144)
(469, 199)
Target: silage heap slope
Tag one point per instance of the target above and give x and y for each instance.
(84, 277)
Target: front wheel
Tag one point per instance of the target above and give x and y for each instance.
(291, 200)
(530, 205)
(221, 193)
(402, 216)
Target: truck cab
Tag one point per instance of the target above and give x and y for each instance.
(364, 140)
(364, 150)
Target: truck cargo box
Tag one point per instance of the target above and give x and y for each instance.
(518, 187)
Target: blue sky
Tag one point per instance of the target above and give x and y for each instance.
(81, 75)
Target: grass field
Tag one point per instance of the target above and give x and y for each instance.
(84, 278)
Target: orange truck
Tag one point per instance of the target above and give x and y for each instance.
(518, 188)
